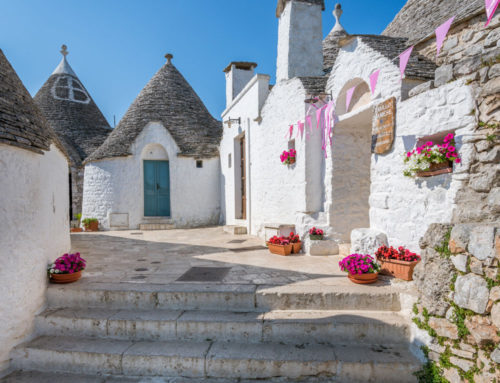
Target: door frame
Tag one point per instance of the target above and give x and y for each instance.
(144, 190)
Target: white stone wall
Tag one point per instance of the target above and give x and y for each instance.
(300, 36)
(116, 185)
(34, 206)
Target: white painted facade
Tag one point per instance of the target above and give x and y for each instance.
(351, 188)
(116, 187)
(34, 207)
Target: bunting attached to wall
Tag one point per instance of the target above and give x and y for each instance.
(300, 129)
(374, 80)
(441, 33)
(290, 129)
(309, 123)
(491, 7)
(403, 60)
(348, 98)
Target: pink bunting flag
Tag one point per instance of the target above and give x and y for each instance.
(348, 98)
(309, 122)
(374, 80)
(491, 7)
(403, 60)
(441, 33)
(319, 112)
(291, 132)
(300, 129)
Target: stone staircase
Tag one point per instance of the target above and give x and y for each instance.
(215, 333)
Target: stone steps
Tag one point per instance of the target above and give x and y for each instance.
(215, 359)
(331, 327)
(223, 297)
(235, 229)
(156, 226)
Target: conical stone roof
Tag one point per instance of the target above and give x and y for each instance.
(21, 122)
(169, 99)
(71, 112)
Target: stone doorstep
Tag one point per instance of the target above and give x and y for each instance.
(287, 327)
(47, 377)
(156, 226)
(235, 229)
(220, 297)
(215, 359)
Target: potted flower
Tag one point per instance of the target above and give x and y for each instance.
(295, 241)
(76, 228)
(66, 269)
(280, 245)
(91, 224)
(432, 159)
(398, 263)
(316, 234)
(288, 157)
(361, 268)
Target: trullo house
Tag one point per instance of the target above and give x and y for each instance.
(160, 167)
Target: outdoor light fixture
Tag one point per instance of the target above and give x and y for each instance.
(230, 121)
(312, 98)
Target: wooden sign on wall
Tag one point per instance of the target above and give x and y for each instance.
(384, 122)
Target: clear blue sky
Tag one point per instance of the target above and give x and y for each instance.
(116, 46)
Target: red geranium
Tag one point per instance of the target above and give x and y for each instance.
(279, 240)
(401, 254)
(315, 231)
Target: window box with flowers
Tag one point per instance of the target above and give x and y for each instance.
(431, 159)
(280, 245)
(288, 157)
(398, 262)
(66, 269)
(361, 268)
(316, 234)
(296, 243)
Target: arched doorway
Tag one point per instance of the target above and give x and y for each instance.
(351, 159)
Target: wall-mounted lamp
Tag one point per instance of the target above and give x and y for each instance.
(312, 98)
(231, 121)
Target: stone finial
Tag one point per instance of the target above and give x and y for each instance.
(169, 58)
(64, 50)
(337, 12)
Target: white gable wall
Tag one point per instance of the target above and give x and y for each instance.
(116, 185)
(34, 207)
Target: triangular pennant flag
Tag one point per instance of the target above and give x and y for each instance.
(348, 98)
(319, 112)
(441, 33)
(291, 132)
(309, 122)
(300, 129)
(403, 60)
(374, 80)
(491, 7)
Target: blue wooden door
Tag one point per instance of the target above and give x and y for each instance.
(156, 189)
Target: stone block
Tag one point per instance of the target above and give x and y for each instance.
(443, 327)
(495, 315)
(467, 347)
(471, 292)
(489, 156)
(460, 261)
(495, 294)
(459, 238)
(476, 266)
(434, 235)
(467, 66)
(492, 87)
(494, 199)
(494, 71)
(367, 241)
(483, 182)
(462, 353)
(483, 75)
(492, 38)
(482, 242)
(482, 330)
(481, 146)
(452, 375)
(461, 363)
(323, 247)
(443, 75)
(421, 88)
(495, 355)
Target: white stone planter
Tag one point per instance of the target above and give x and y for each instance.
(322, 247)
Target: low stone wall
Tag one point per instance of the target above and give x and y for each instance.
(459, 301)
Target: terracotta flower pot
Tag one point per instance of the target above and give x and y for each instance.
(296, 247)
(291, 161)
(65, 278)
(76, 230)
(398, 269)
(92, 226)
(280, 249)
(363, 278)
(314, 237)
(436, 169)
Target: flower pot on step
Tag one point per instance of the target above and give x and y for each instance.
(363, 278)
(436, 169)
(65, 278)
(398, 269)
(92, 226)
(280, 249)
(296, 247)
(76, 230)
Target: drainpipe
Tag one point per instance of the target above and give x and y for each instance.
(249, 180)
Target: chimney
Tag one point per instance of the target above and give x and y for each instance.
(300, 38)
(238, 74)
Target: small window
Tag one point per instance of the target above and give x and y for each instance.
(199, 163)
(229, 160)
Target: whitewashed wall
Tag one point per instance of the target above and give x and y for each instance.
(34, 207)
(400, 206)
(116, 185)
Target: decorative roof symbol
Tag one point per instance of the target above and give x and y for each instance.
(70, 89)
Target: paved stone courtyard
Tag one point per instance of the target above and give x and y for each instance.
(161, 257)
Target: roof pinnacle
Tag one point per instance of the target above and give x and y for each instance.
(337, 12)
(169, 57)
(64, 50)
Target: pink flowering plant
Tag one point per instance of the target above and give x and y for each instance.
(421, 158)
(359, 264)
(288, 157)
(67, 264)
